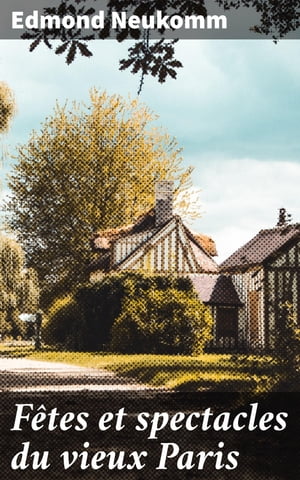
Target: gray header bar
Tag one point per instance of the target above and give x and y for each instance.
(31, 18)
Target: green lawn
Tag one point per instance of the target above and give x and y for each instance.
(203, 372)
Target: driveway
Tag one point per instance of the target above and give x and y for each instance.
(23, 375)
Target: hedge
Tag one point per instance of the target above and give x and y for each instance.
(132, 312)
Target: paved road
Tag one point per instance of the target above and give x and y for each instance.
(22, 375)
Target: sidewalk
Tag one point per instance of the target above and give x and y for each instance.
(23, 375)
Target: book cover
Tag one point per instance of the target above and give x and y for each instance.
(150, 281)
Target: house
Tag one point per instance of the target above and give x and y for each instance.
(266, 274)
(160, 243)
(157, 242)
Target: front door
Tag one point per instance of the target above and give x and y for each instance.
(254, 316)
(227, 327)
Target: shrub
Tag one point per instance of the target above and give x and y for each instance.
(131, 312)
(101, 305)
(5, 326)
(103, 302)
(166, 321)
(65, 324)
(288, 348)
(18, 328)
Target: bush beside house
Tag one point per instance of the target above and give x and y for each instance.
(166, 321)
(132, 313)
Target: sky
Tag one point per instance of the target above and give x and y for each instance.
(234, 109)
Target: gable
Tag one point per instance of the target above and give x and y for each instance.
(288, 257)
(165, 250)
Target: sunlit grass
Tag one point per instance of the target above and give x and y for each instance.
(222, 372)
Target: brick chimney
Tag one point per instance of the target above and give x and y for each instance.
(163, 202)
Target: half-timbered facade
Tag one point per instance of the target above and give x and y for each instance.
(266, 274)
(158, 242)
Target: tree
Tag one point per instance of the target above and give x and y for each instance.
(7, 106)
(19, 291)
(90, 167)
(7, 112)
(156, 58)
